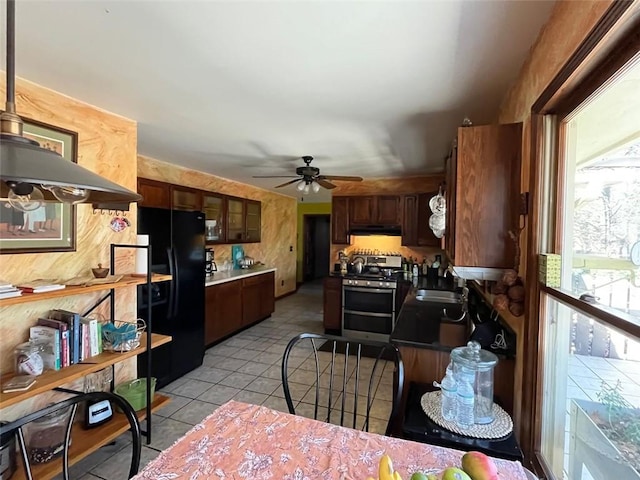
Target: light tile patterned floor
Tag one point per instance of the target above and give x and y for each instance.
(245, 367)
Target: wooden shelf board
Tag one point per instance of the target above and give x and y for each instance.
(85, 442)
(51, 379)
(126, 281)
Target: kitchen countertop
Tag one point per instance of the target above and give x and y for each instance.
(423, 324)
(222, 277)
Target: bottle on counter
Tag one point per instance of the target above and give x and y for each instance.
(465, 397)
(449, 395)
(425, 266)
(415, 270)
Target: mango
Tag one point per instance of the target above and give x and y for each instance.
(453, 473)
(479, 466)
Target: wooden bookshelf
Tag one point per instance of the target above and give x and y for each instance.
(51, 379)
(86, 441)
(126, 281)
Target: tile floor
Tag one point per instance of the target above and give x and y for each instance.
(246, 368)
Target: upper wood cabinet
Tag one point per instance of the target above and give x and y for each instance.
(375, 210)
(388, 210)
(154, 194)
(361, 210)
(340, 220)
(185, 198)
(253, 221)
(483, 195)
(214, 208)
(415, 221)
(236, 220)
(230, 219)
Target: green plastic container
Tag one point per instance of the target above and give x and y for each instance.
(135, 392)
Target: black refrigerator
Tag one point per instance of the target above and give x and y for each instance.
(177, 248)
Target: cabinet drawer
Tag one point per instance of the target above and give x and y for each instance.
(255, 280)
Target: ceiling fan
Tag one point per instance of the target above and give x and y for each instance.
(309, 178)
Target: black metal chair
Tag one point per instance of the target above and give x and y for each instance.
(345, 381)
(17, 427)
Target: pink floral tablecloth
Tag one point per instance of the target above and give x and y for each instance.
(247, 441)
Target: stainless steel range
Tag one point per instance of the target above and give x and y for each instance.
(369, 299)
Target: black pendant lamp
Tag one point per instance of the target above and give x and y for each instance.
(31, 174)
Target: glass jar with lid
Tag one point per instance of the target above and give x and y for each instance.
(472, 360)
(28, 359)
(44, 437)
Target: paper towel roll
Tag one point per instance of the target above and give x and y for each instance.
(141, 255)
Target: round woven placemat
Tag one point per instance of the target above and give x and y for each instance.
(501, 426)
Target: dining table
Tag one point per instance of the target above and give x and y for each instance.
(243, 441)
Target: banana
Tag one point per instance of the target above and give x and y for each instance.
(385, 471)
(396, 476)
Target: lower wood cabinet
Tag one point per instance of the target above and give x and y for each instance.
(233, 305)
(223, 310)
(332, 304)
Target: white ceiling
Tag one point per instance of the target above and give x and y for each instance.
(239, 88)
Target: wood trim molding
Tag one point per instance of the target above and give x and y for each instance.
(623, 322)
(577, 61)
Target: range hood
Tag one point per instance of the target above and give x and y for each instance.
(391, 230)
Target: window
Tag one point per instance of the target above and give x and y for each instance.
(589, 417)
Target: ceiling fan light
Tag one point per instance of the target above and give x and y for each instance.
(306, 189)
(301, 185)
(315, 187)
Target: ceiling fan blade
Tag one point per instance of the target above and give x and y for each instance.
(341, 177)
(274, 176)
(322, 182)
(287, 183)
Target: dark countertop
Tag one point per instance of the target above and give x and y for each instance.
(423, 324)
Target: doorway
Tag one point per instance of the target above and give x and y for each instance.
(315, 247)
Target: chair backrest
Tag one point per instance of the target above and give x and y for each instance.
(344, 374)
(72, 404)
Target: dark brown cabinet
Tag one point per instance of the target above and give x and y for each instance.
(187, 199)
(233, 305)
(483, 195)
(223, 310)
(154, 194)
(415, 221)
(332, 304)
(253, 227)
(375, 210)
(257, 297)
(340, 220)
(236, 218)
(362, 210)
(388, 209)
(214, 208)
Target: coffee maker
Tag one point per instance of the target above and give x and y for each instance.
(209, 264)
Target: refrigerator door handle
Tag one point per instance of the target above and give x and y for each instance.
(176, 277)
(173, 287)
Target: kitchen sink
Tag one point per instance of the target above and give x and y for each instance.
(438, 296)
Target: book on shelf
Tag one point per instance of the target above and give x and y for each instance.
(49, 340)
(19, 383)
(64, 338)
(72, 319)
(10, 293)
(92, 335)
(40, 286)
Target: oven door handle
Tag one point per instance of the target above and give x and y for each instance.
(368, 290)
